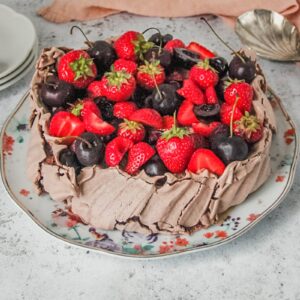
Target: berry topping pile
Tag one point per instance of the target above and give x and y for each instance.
(156, 104)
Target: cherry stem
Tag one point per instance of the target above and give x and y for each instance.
(226, 44)
(87, 40)
(161, 37)
(78, 138)
(232, 113)
(156, 86)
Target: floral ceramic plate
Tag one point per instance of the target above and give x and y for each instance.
(52, 217)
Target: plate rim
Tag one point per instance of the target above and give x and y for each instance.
(194, 249)
(15, 14)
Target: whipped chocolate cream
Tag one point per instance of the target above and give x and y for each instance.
(112, 199)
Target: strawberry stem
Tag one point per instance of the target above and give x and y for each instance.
(156, 86)
(90, 44)
(232, 113)
(223, 42)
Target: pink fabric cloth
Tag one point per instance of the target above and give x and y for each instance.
(68, 10)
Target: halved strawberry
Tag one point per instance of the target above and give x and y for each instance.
(123, 110)
(95, 124)
(84, 107)
(205, 129)
(116, 149)
(211, 95)
(191, 92)
(206, 159)
(138, 155)
(65, 124)
(168, 122)
(201, 50)
(176, 43)
(147, 116)
(186, 115)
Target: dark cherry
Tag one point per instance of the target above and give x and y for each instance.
(177, 74)
(148, 101)
(207, 111)
(103, 54)
(153, 135)
(156, 53)
(220, 64)
(139, 96)
(231, 149)
(220, 88)
(155, 167)
(218, 133)
(166, 101)
(68, 158)
(55, 93)
(185, 58)
(242, 70)
(106, 107)
(90, 152)
(158, 39)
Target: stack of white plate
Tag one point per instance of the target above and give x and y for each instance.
(18, 46)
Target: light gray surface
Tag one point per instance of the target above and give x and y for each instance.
(262, 264)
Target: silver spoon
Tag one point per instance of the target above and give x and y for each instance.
(270, 34)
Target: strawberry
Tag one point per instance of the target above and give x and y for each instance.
(117, 85)
(175, 148)
(205, 129)
(123, 110)
(132, 130)
(211, 95)
(204, 75)
(93, 123)
(125, 65)
(243, 91)
(176, 43)
(132, 45)
(168, 122)
(150, 75)
(116, 149)
(138, 155)
(77, 67)
(84, 107)
(191, 92)
(248, 128)
(65, 124)
(147, 116)
(206, 159)
(94, 89)
(186, 115)
(201, 50)
(226, 111)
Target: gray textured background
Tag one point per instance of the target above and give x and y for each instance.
(262, 264)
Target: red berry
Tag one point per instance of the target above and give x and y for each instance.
(94, 89)
(168, 122)
(65, 124)
(241, 90)
(175, 148)
(191, 92)
(248, 128)
(147, 116)
(131, 45)
(95, 124)
(205, 129)
(176, 43)
(125, 65)
(201, 50)
(77, 67)
(123, 110)
(138, 155)
(206, 159)
(84, 107)
(132, 130)
(204, 75)
(226, 111)
(186, 115)
(117, 85)
(211, 95)
(150, 75)
(116, 149)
